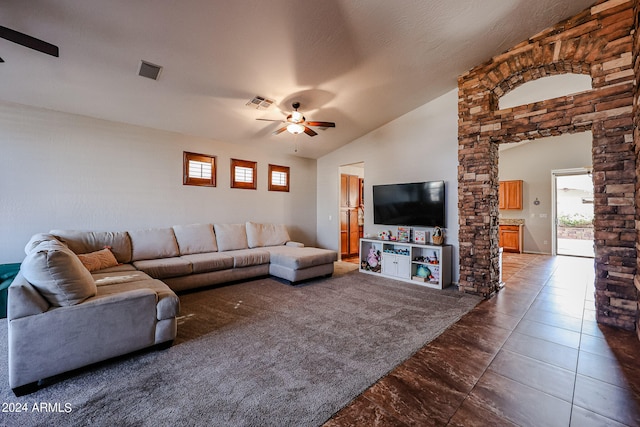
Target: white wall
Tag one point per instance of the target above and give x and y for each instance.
(67, 171)
(544, 88)
(533, 162)
(419, 146)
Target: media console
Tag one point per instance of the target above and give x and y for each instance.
(426, 265)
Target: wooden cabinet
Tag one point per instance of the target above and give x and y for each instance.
(511, 238)
(510, 195)
(349, 205)
(502, 203)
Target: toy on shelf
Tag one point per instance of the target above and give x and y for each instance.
(419, 236)
(385, 235)
(404, 234)
(372, 263)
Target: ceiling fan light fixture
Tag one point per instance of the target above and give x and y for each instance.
(295, 128)
(296, 117)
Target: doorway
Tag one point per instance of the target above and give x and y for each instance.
(351, 210)
(573, 212)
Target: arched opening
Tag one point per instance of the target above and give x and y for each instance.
(532, 162)
(545, 88)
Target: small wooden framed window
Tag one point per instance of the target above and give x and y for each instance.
(198, 169)
(244, 174)
(278, 178)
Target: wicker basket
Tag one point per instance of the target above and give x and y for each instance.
(438, 236)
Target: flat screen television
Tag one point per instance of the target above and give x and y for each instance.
(413, 204)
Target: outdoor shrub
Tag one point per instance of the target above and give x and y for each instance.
(575, 220)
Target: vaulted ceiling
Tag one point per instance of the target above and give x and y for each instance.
(358, 63)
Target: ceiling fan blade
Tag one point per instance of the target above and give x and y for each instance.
(279, 131)
(310, 131)
(321, 124)
(1, 60)
(28, 41)
(271, 120)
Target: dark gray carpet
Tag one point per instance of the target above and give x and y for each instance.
(260, 353)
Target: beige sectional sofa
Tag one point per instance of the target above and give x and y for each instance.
(131, 304)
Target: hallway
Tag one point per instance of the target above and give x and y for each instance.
(531, 356)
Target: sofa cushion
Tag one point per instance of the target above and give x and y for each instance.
(168, 304)
(259, 235)
(153, 243)
(231, 236)
(212, 261)
(98, 260)
(114, 277)
(195, 238)
(57, 273)
(249, 257)
(164, 267)
(82, 242)
(299, 258)
(115, 269)
(36, 239)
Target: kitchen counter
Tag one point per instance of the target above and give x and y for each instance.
(510, 221)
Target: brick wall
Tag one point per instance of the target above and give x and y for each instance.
(636, 139)
(598, 42)
(579, 233)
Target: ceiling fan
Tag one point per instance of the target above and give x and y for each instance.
(296, 123)
(28, 41)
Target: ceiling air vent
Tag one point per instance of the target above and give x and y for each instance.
(260, 103)
(149, 70)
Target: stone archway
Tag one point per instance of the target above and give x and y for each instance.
(597, 42)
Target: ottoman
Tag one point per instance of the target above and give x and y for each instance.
(297, 264)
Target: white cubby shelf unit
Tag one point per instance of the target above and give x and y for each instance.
(427, 265)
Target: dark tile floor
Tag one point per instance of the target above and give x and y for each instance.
(531, 356)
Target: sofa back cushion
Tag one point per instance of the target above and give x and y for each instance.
(153, 243)
(57, 273)
(83, 242)
(259, 235)
(195, 238)
(231, 236)
(35, 240)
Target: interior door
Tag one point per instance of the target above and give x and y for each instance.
(354, 232)
(349, 201)
(344, 232)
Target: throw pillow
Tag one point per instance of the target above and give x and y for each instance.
(57, 273)
(98, 260)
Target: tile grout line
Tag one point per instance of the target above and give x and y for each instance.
(499, 348)
(575, 376)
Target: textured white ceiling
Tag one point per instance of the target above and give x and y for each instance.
(359, 63)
